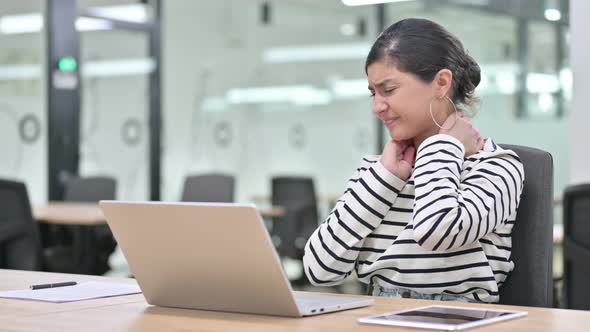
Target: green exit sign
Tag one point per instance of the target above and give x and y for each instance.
(67, 64)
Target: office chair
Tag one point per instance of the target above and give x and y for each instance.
(531, 281)
(19, 238)
(576, 247)
(290, 232)
(216, 188)
(90, 189)
(95, 241)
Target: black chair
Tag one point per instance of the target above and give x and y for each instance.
(216, 188)
(90, 189)
(290, 232)
(531, 281)
(576, 247)
(19, 239)
(88, 247)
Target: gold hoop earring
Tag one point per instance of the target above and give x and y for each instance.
(432, 115)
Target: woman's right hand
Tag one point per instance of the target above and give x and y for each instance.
(462, 129)
(398, 158)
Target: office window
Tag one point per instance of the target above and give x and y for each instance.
(23, 126)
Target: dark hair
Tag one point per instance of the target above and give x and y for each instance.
(423, 48)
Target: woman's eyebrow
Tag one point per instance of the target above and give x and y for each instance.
(385, 82)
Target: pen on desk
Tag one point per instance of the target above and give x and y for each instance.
(57, 284)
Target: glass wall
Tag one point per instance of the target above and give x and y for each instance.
(525, 90)
(23, 125)
(258, 92)
(114, 131)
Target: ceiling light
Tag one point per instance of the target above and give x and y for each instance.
(92, 24)
(297, 94)
(132, 13)
(27, 23)
(368, 2)
(552, 14)
(352, 51)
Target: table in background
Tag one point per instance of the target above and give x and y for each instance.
(83, 217)
(89, 214)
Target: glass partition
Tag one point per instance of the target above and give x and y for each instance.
(114, 129)
(23, 124)
(257, 93)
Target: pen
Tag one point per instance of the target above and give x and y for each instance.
(57, 284)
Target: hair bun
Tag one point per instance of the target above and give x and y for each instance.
(473, 72)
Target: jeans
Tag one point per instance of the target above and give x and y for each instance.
(376, 290)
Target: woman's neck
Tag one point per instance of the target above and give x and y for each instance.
(422, 137)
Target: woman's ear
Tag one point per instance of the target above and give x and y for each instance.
(443, 81)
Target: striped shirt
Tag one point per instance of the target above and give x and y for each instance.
(447, 229)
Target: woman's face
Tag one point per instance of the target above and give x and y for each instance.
(401, 100)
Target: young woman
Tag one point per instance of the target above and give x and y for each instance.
(431, 217)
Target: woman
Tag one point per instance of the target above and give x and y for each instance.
(431, 217)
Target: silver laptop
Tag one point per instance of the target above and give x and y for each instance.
(210, 256)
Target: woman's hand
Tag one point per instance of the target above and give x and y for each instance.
(462, 129)
(398, 158)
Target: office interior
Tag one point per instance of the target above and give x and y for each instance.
(143, 96)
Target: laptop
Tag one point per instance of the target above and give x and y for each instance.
(210, 256)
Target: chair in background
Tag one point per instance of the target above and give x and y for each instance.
(88, 247)
(576, 247)
(212, 188)
(531, 281)
(290, 232)
(19, 240)
(90, 189)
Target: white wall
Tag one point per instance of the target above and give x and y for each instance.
(580, 115)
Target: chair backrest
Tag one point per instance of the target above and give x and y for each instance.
(90, 189)
(19, 238)
(297, 196)
(576, 247)
(211, 188)
(531, 281)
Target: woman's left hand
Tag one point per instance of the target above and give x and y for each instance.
(462, 129)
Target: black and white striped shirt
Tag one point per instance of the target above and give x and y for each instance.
(446, 230)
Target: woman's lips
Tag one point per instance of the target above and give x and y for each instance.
(389, 122)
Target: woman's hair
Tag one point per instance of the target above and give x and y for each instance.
(423, 48)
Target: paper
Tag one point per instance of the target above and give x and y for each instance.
(82, 291)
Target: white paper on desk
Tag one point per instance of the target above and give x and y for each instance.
(82, 291)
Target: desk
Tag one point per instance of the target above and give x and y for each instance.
(89, 214)
(132, 313)
(68, 213)
(84, 217)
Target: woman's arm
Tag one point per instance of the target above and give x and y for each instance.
(450, 211)
(332, 250)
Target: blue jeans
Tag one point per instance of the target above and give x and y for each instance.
(376, 290)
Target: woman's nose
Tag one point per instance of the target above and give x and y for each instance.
(378, 105)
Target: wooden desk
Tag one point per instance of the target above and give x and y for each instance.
(67, 213)
(13, 279)
(89, 214)
(132, 313)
